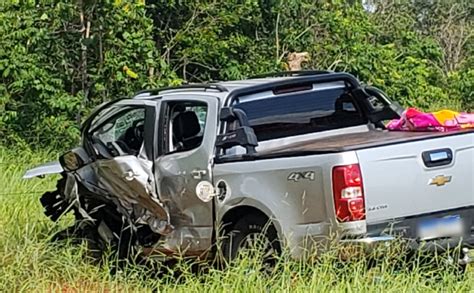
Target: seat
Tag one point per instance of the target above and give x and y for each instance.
(186, 129)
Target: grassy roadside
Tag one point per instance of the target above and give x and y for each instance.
(28, 262)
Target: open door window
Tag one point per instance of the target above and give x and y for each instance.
(121, 134)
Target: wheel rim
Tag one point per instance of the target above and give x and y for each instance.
(257, 244)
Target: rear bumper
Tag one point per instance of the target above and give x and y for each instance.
(369, 240)
(466, 253)
(406, 230)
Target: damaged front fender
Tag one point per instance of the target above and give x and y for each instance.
(130, 180)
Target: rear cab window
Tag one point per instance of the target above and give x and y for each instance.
(319, 107)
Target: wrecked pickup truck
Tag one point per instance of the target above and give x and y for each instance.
(173, 170)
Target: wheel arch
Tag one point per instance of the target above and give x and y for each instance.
(230, 217)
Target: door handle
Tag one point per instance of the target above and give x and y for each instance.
(436, 158)
(198, 174)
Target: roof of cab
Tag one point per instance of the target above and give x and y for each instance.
(223, 89)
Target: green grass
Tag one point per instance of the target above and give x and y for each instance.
(29, 262)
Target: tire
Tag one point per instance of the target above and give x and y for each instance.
(87, 235)
(250, 227)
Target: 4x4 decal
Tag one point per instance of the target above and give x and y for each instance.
(297, 176)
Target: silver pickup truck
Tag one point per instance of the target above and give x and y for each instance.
(175, 169)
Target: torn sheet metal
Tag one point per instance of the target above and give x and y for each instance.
(45, 169)
(71, 195)
(130, 180)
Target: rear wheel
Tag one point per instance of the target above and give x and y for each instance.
(252, 236)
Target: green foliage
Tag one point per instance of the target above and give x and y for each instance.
(59, 60)
(462, 84)
(388, 47)
(32, 94)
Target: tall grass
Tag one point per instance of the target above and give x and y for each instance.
(30, 262)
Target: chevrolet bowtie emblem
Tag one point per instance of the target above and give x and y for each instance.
(440, 180)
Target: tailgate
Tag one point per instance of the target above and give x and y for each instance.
(418, 177)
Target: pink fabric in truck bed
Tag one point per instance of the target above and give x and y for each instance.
(444, 120)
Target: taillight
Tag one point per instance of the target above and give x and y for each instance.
(348, 193)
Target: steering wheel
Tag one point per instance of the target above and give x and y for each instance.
(139, 129)
(133, 136)
(101, 148)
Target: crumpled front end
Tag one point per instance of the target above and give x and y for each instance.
(114, 198)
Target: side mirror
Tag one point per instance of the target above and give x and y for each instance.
(74, 159)
(243, 135)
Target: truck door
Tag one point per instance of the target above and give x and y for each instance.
(187, 131)
(122, 139)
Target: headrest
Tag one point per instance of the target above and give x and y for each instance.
(186, 125)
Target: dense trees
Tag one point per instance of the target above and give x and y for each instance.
(58, 60)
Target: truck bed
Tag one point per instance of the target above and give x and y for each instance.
(352, 141)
